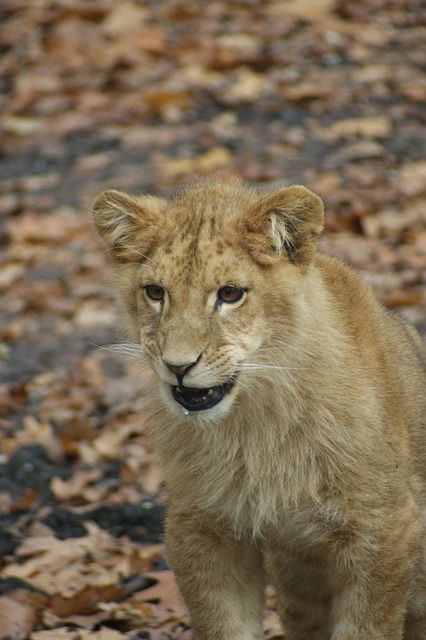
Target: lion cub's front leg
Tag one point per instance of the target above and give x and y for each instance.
(356, 589)
(221, 580)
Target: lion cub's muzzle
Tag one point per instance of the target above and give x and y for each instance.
(192, 399)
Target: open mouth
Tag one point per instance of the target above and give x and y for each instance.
(192, 399)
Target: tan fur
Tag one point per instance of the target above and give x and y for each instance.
(314, 466)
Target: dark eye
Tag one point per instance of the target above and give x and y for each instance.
(230, 295)
(154, 292)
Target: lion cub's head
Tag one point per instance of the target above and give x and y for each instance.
(210, 280)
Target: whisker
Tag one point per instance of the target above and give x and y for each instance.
(300, 350)
(126, 349)
(245, 386)
(144, 256)
(260, 367)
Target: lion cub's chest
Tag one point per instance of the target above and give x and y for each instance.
(269, 501)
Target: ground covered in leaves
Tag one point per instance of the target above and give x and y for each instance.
(139, 95)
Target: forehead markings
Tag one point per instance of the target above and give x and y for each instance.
(195, 241)
(212, 221)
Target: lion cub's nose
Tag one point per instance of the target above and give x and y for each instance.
(180, 370)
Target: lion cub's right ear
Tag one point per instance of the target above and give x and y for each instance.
(128, 224)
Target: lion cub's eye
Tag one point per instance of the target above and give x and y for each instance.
(154, 292)
(230, 295)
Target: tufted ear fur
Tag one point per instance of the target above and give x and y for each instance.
(127, 224)
(285, 221)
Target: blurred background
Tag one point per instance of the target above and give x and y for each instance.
(139, 95)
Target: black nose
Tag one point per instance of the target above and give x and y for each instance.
(180, 370)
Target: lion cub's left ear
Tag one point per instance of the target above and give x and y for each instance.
(286, 221)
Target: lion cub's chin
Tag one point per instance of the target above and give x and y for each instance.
(203, 405)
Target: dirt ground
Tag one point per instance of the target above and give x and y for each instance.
(140, 95)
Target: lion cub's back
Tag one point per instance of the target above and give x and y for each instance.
(393, 353)
(365, 317)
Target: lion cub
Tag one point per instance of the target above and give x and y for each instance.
(288, 409)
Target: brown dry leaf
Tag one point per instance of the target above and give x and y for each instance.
(402, 298)
(39, 431)
(79, 573)
(104, 634)
(133, 612)
(21, 125)
(411, 178)
(125, 17)
(373, 73)
(56, 565)
(306, 91)
(245, 86)
(64, 398)
(210, 161)
(70, 124)
(28, 500)
(152, 40)
(90, 622)
(356, 249)
(95, 313)
(148, 474)
(17, 618)
(171, 104)
(239, 45)
(361, 150)
(418, 241)
(75, 486)
(325, 183)
(168, 631)
(414, 89)
(391, 222)
(304, 8)
(95, 162)
(92, 372)
(368, 127)
(38, 182)
(55, 634)
(109, 444)
(84, 602)
(139, 609)
(9, 273)
(165, 592)
(60, 226)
